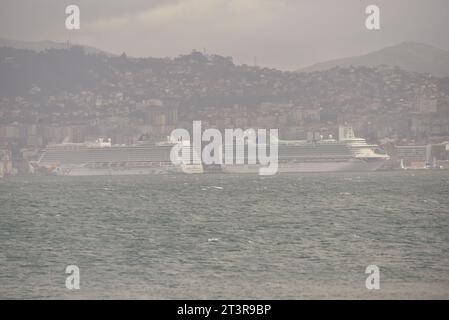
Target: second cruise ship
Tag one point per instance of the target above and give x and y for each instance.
(348, 153)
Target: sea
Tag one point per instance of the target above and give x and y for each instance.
(224, 236)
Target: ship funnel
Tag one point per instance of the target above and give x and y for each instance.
(345, 133)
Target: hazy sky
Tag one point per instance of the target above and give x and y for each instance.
(281, 33)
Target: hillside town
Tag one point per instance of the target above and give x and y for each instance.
(68, 96)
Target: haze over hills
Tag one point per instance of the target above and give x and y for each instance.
(410, 56)
(117, 96)
(46, 44)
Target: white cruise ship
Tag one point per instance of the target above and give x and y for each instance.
(103, 158)
(315, 154)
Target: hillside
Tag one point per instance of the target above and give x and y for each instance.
(410, 56)
(117, 95)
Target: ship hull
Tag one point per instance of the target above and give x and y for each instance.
(85, 171)
(354, 165)
(109, 171)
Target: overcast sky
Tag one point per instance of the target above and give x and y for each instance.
(286, 34)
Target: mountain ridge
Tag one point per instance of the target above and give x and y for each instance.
(411, 56)
(47, 44)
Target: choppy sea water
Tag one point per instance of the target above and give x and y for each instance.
(218, 236)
